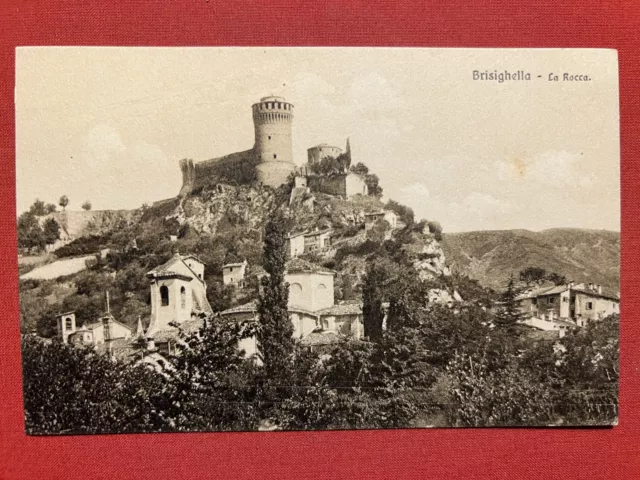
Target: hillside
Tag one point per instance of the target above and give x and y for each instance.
(580, 255)
(222, 223)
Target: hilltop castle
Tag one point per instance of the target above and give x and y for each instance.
(270, 161)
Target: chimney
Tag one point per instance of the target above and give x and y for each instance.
(571, 284)
(151, 344)
(590, 286)
(599, 289)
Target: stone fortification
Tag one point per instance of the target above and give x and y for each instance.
(269, 162)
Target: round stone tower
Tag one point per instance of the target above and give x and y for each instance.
(272, 120)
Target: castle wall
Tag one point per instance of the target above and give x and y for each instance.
(269, 162)
(333, 185)
(274, 174)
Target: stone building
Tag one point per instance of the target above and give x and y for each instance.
(269, 161)
(311, 307)
(233, 273)
(321, 151)
(95, 333)
(178, 292)
(578, 303)
(307, 242)
(371, 219)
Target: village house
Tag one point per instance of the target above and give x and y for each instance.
(233, 273)
(371, 219)
(306, 242)
(317, 240)
(95, 333)
(311, 307)
(576, 303)
(295, 244)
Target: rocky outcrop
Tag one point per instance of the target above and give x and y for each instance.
(222, 207)
(426, 255)
(76, 224)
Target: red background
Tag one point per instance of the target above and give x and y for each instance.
(468, 453)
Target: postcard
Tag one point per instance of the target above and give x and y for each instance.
(266, 239)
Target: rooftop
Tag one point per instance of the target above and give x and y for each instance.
(166, 270)
(342, 309)
(173, 333)
(245, 308)
(322, 337)
(324, 145)
(298, 265)
(558, 289)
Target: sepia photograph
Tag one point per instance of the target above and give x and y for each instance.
(272, 239)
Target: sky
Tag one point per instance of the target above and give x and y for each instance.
(110, 125)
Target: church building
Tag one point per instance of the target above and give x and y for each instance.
(178, 292)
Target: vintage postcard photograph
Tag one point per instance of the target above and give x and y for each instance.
(266, 239)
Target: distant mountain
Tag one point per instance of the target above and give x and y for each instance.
(492, 256)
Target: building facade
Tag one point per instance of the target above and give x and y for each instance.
(233, 273)
(578, 303)
(178, 292)
(311, 307)
(371, 219)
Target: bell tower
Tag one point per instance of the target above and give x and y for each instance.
(272, 120)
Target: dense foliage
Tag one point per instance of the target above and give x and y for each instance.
(420, 364)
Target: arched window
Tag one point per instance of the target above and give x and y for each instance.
(68, 323)
(183, 298)
(164, 295)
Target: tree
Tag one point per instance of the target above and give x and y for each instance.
(509, 313)
(30, 233)
(212, 380)
(405, 213)
(51, 231)
(275, 330)
(372, 299)
(556, 278)
(86, 205)
(532, 274)
(436, 229)
(589, 366)
(75, 390)
(39, 208)
(63, 202)
(360, 169)
(373, 185)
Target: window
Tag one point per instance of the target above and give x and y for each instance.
(68, 323)
(275, 156)
(589, 306)
(183, 297)
(269, 137)
(534, 301)
(551, 300)
(164, 296)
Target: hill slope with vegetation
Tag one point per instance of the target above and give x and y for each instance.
(492, 256)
